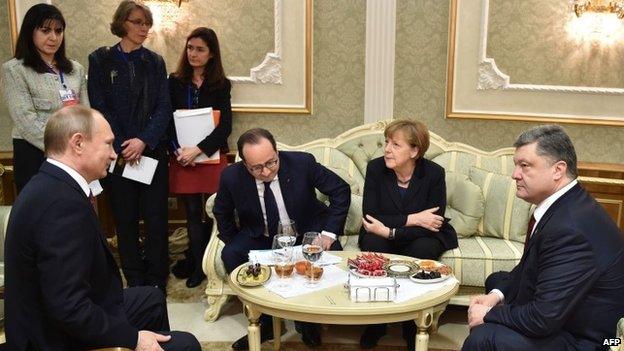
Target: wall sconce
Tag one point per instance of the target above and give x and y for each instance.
(599, 6)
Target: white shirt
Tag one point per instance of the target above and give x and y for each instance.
(281, 206)
(94, 187)
(539, 212)
(72, 173)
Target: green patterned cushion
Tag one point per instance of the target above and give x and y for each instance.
(363, 149)
(506, 216)
(477, 257)
(464, 204)
(340, 164)
(461, 162)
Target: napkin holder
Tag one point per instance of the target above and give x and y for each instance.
(371, 289)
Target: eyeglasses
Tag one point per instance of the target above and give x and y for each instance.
(257, 169)
(140, 23)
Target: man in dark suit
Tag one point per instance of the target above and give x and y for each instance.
(63, 290)
(265, 187)
(566, 292)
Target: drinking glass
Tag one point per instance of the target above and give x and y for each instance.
(287, 227)
(312, 251)
(282, 251)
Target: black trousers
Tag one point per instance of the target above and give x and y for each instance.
(146, 309)
(423, 247)
(198, 231)
(26, 162)
(130, 201)
(492, 337)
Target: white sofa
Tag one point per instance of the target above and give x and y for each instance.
(481, 200)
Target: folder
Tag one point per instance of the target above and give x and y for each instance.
(142, 172)
(193, 126)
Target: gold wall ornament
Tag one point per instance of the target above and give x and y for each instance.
(599, 6)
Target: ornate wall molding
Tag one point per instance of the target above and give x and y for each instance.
(380, 58)
(478, 89)
(269, 71)
(491, 77)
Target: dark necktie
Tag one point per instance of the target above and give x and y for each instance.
(92, 201)
(270, 206)
(528, 233)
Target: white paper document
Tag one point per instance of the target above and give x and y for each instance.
(142, 172)
(265, 257)
(193, 126)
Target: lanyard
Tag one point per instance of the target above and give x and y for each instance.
(51, 70)
(189, 98)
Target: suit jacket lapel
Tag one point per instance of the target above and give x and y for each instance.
(250, 188)
(550, 212)
(390, 182)
(285, 183)
(415, 185)
(63, 176)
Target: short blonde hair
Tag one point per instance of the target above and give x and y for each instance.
(63, 124)
(415, 132)
(123, 12)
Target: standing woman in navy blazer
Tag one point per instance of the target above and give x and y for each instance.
(36, 83)
(128, 85)
(198, 82)
(404, 204)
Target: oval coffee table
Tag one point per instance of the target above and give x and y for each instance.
(333, 306)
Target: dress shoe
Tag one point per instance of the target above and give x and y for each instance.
(182, 269)
(311, 334)
(266, 333)
(372, 334)
(195, 280)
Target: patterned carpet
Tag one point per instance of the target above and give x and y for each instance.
(178, 292)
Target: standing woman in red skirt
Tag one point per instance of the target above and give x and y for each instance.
(199, 82)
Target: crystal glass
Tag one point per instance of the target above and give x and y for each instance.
(287, 227)
(282, 250)
(312, 250)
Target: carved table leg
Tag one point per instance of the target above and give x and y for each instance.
(253, 331)
(436, 317)
(423, 321)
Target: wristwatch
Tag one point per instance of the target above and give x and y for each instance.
(391, 232)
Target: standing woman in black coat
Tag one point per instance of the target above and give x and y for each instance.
(128, 85)
(199, 82)
(404, 203)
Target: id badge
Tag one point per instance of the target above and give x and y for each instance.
(69, 97)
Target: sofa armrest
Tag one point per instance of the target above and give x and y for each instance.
(619, 333)
(5, 211)
(211, 263)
